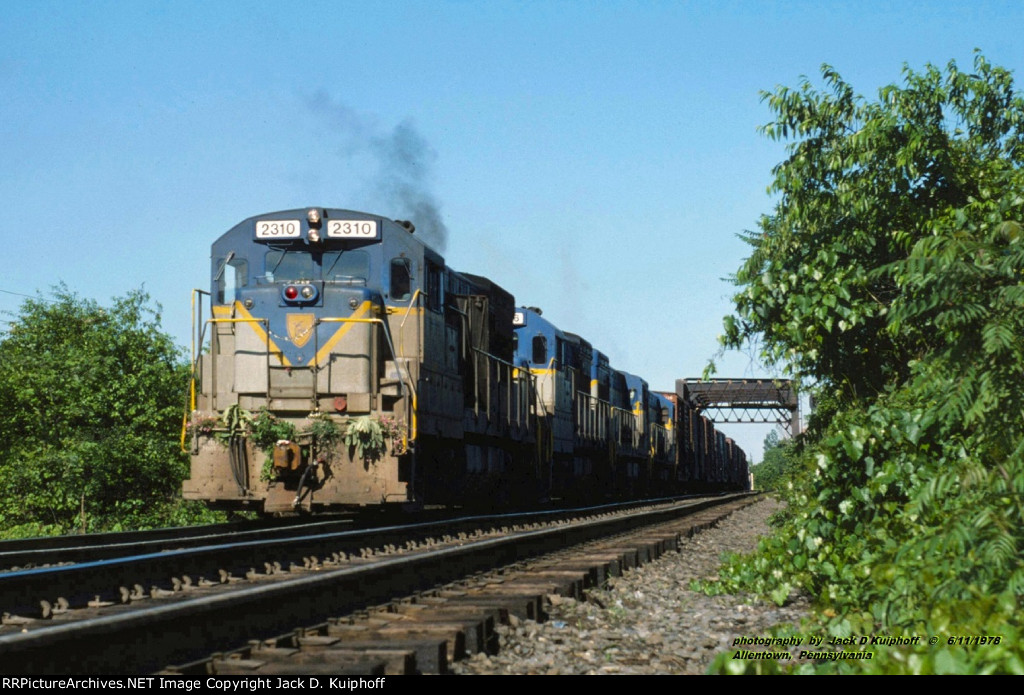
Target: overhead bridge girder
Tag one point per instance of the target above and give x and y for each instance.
(744, 400)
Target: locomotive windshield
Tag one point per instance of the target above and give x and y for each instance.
(284, 265)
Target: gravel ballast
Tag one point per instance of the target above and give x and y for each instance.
(647, 621)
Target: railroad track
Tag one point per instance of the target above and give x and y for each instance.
(378, 611)
(31, 553)
(43, 552)
(141, 565)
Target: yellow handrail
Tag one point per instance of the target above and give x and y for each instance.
(391, 345)
(401, 326)
(251, 319)
(191, 404)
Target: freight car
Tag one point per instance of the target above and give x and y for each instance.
(342, 363)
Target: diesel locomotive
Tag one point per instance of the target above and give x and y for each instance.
(338, 362)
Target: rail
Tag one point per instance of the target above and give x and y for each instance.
(408, 310)
(160, 632)
(592, 417)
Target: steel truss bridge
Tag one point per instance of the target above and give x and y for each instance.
(744, 400)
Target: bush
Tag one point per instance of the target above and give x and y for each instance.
(93, 399)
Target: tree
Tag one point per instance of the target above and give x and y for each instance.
(92, 403)
(864, 182)
(891, 273)
(778, 463)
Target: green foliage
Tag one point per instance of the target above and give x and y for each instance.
(899, 531)
(325, 432)
(370, 438)
(864, 182)
(266, 430)
(780, 460)
(366, 436)
(92, 400)
(892, 273)
(236, 421)
(204, 425)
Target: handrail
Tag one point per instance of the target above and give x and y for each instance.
(508, 373)
(190, 404)
(251, 319)
(387, 335)
(401, 327)
(201, 333)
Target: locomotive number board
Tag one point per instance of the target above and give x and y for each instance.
(278, 229)
(352, 229)
(336, 229)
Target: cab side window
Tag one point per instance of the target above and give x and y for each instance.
(401, 278)
(433, 287)
(540, 350)
(233, 275)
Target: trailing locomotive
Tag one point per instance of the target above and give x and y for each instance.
(343, 364)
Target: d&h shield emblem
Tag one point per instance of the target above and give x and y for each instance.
(300, 328)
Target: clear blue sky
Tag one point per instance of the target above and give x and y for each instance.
(597, 159)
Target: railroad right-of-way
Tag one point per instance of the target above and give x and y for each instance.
(318, 617)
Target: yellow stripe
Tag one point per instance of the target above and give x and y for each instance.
(550, 368)
(325, 351)
(225, 311)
